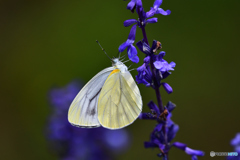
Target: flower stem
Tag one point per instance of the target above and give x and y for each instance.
(144, 34)
(156, 86)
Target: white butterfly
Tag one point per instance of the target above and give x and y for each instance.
(110, 99)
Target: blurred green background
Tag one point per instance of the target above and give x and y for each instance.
(52, 42)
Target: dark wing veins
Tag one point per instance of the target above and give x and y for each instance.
(95, 95)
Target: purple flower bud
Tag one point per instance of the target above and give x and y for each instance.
(160, 56)
(161, 11)
(172, 132)
(129, 22)
(154, 107)
(179, 145)
(194, 158)
(157, 4)
(189, 151)
(144, 47)
(170, 106)
(193, 152)
(165, 75)
(147, 59)
(236, 141)
(167, 87)
(151, 20)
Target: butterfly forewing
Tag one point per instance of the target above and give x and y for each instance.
(83, 110)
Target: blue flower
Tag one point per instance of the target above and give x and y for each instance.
(162, 64)
(133, 4)
(71, 143)
(143, 16)
(142, 21)
(144, 75)
(156, 10)
(145, 48)
(155, 112)
(60, 98)
(117, 140)
(167, 87)
(157, 139)
(235, 142)
(162, 67)
(131, 50)
(189, 151)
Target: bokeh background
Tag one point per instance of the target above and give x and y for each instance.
(45, 43)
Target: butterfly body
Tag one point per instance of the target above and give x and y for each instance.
(110, 99)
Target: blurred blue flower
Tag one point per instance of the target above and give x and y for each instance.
(189, 151)
(235, 142)
(72, 143)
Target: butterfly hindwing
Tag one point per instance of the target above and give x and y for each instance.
(120, 102)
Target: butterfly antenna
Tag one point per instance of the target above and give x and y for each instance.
(119, 55)
(103, 50)
(130, 65)
(132, 69)
(126, 61)
(123, 57)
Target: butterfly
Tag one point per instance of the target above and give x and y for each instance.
(111, 99)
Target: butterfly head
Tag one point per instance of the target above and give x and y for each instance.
(116, 61)
(118, 64)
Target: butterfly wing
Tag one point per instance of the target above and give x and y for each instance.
(83, 110)
(120, 102)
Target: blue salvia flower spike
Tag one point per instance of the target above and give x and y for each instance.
(151, 73)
